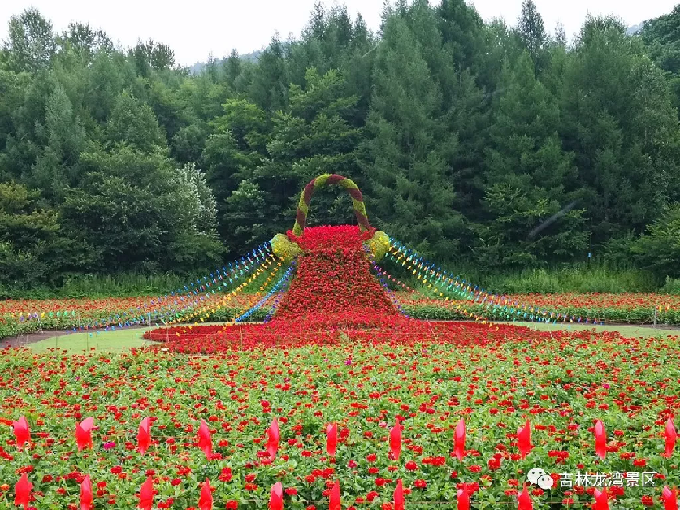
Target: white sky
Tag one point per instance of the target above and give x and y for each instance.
(197, 28)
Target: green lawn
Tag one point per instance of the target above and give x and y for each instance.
(121, 340)
(626, 331)
(103, 341)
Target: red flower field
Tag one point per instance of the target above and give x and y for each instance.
(342, 402)
(493, 379)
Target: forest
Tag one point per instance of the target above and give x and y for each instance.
(485, 144)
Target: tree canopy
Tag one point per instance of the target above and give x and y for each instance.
(504, 146)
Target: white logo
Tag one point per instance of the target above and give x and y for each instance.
(541, 478)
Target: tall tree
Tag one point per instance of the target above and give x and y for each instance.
(409, 147)
(269, 88)
(526, 174)
(62, 138)
(31, 44)
(531, 31)
(623, 140)
(137, 211)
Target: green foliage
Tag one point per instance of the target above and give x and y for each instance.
(134, 123)
(659, 250)
(137, 211)
(27, 235)
(527, 173)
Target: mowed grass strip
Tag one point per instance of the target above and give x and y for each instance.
(119, 340)
(625, 330)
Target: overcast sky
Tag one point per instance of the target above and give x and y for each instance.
(196, 28)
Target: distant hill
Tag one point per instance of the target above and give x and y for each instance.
(198, 67)
(634, 29)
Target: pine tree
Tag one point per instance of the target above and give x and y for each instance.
(409, 145)
(526, 172)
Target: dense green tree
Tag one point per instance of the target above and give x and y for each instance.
(659, 248)
(62, 138)
(31, 43)
(531, 31)
(134, 123)
(526, 173)
(137, 211)
(27, 234)
(409, 147)
(662, 39)
(269, 87)
(624, 140)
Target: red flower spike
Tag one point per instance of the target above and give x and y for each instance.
(276, 498)
(399, 502)
(335, 497)
(331, 439)
(463, 500)
(146, 495)
(395, 441)
(21, 433)
(205, 502)
(524, 439)
(84, 434)
(459, 439)
(601, 500)
(670, 500)
(524, 500)
(204, 441)
(22, 491)
(671, 437)
(144, 436)
(86, 497)
(600, 440)
(273, 439)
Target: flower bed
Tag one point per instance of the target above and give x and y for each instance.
(494, 377)
(627, 308)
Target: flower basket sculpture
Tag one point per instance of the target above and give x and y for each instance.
(287, 246)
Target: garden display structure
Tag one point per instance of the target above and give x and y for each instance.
(339, 394)
(323, 284)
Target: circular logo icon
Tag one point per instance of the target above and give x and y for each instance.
(539, 477)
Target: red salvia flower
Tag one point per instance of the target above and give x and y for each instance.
(399, 501)
(600, 440)
(670, 501)
(601, 499)
(334, 503)
(84, 433)
(86, 497)
(273, 439)
(204, 440)
(395, 441)
(524, 500)
(22, 491)
(146, 494)
(462, 500)
(276, 497)
(670, 436)
(524, 439)
(459, 439)
(144, 436)
(21, 432)
(205, 502)
(331, 439)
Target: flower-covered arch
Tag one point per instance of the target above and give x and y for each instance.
(287, 247)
